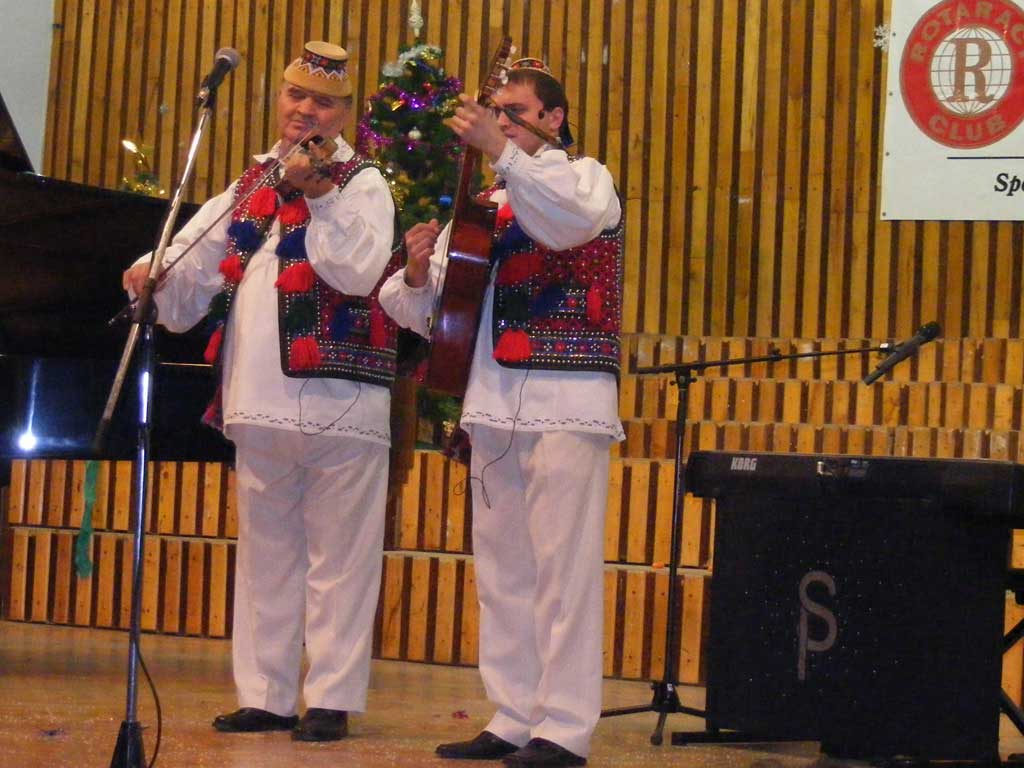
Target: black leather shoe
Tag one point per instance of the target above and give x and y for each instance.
(321, 725)
(541, 753)
(486, 746)
(250, 719)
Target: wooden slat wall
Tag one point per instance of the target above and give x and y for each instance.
(427, 609)
(744, 135)
(186, 590)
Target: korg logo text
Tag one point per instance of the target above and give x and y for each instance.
(744, 463)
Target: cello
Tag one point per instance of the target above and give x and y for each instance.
(465, 266)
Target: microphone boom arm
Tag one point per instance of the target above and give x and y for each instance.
(901, 352)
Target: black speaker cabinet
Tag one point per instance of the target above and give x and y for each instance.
(860, 605)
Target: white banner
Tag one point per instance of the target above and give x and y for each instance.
(954, 139)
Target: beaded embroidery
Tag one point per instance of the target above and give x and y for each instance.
(323, 332)
(556, 310)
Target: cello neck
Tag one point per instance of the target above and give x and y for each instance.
(471, 155)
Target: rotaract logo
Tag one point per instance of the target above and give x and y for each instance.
(962, 74)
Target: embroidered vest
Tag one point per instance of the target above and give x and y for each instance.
(323, 332)
(556, 310)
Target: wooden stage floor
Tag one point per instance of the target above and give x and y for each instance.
(62, 694)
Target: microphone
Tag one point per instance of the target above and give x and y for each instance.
(225, 60)
(924, 334)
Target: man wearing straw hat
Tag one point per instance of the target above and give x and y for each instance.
(288, 276)
(541, 407)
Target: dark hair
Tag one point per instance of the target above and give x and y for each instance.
(550, 93)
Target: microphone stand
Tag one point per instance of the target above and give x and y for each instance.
(128, 752)
(666, 698)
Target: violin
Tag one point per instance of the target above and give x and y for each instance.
(319, 151)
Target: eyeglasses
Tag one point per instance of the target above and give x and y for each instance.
(518, 110)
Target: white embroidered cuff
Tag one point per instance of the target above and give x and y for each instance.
(320, 205)
(511, 160)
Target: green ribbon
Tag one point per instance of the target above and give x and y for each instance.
(83, 565)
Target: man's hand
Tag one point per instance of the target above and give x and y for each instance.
(301, 173)
(133, 278)
(419, 246)
(477, 127)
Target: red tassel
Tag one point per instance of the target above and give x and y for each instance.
(378, 327)
(262, 203)
(595, 304)
(213, 416)
(213, 346)
(304, 354)
(503, 216)
(298, 278)
(512, 347)
(516, 269)
(294, 212)
(231, 268)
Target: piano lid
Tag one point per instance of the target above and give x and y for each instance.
(13, 156)
(63, 247)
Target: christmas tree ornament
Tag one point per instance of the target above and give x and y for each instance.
(144, 182)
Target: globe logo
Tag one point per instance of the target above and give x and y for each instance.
(962, 72)
(971, 70)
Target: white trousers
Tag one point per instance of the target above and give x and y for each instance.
(310, 544)
(538, 552)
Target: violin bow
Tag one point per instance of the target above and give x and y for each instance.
(278, 163)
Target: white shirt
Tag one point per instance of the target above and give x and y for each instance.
(348, 243)
(560, 205)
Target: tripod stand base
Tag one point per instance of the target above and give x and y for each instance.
(128, 752)
(665, 702)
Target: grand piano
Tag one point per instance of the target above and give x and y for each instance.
(63, 247)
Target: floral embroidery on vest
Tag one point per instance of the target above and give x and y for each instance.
(556, 310)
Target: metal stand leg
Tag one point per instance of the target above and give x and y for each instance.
(128, 752)
(665, 700)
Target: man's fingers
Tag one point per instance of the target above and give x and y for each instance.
(421, 239)
(419, 247)
(457, 124)
(415, 239)
(468, 102)
(422, 230)
(135, 277)
(422, 249)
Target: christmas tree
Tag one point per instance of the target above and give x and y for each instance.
(403, 130)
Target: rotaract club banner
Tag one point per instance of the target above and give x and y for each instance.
(954, 142)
